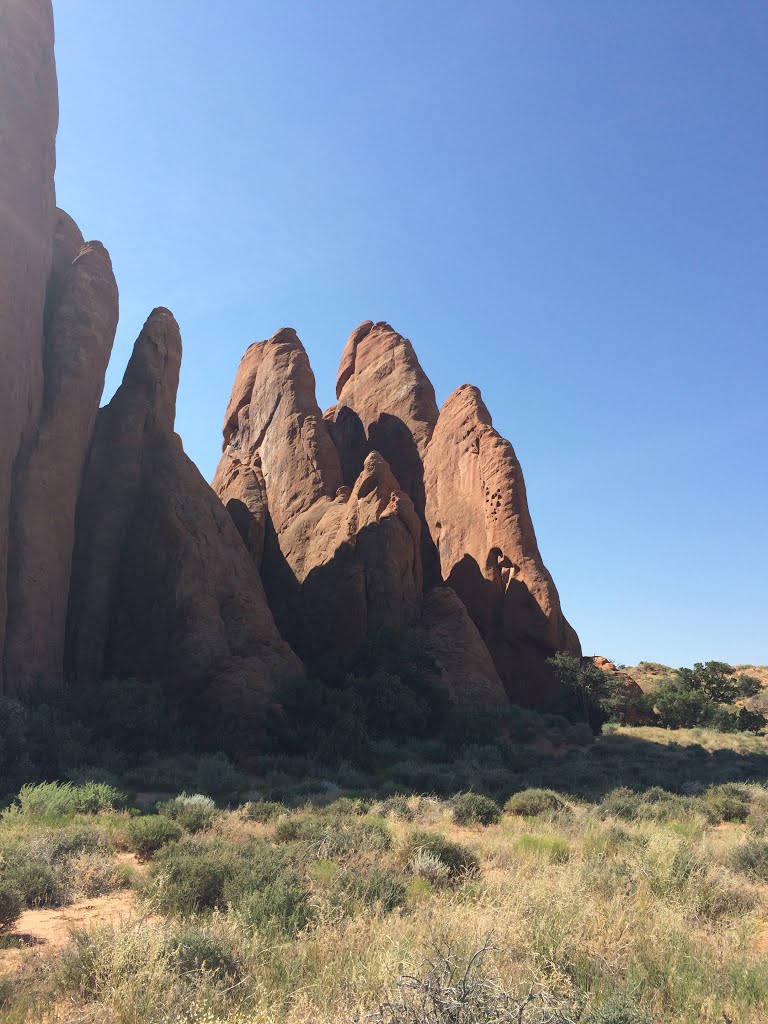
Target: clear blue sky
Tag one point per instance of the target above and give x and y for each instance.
(564, 203)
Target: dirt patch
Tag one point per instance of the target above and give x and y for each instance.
(50, 927)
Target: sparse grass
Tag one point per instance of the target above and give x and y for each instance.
(634, 906)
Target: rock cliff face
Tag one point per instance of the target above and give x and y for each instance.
(477, 513)
(28, 121)
(384, 512)
(162, 585)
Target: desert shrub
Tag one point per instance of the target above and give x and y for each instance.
(90, 875)
(621, 803)
(551, 848)
(262, 810)
(281, 905)
(39, 884)
(713, 897)
(726, 802)
(329, 837)
(194, 812)
(346, 806)
(751, 858)
(533, 802)
(454, 989)
(92, 797)
(216, 776)
(197, 950)
(429, 868)
(189, 877)
(147, 835)
(11, 904)
(618, 1010)
(459, 860)
(475, 809)
(380, 888)
(397, 807)
(54, 803)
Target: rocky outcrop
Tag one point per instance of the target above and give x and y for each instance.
(162, 585)
(81, 319)
(338, 561)
(632, 712)
(331, 507)
(28, 122)
(386, 403)
(477, 514)
(464, 662)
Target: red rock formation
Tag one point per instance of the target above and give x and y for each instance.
(386, 403)
(81, 320)
(162, 585)
(477, 513)
(28, 122)
(464, 662)
(338, 561)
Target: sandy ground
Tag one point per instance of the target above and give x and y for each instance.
(49, 928)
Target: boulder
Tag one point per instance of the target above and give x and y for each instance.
(477, 515)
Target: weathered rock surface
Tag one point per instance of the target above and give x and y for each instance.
(338, 561)
(465, 664)
(162, 584)
(633, 714)
(477, 514)
(28, 122)
(81, 319)
(386, 403)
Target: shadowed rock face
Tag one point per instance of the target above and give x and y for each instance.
(162, 584)
(81, 319)
(477, 513)
(28, 122)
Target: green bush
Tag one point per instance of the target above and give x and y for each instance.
(189, 877)
(11, 904)
(330, 837)
(551, 848)
(193, 811)
(751, 858)
(262, 810)
(534, 802)
(380, 889)
(147, 835)
(475, 809)
(39, 884)
(458, 860)
(618, 1011)
(281, 905)
(193, 950)
(54, 803)
(725, 803)
(621, 802)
